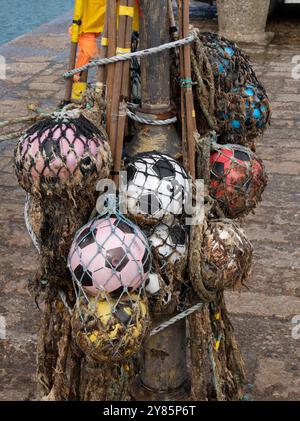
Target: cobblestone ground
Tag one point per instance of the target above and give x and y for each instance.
(261, 315)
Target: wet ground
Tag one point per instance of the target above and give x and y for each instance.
(261, 315)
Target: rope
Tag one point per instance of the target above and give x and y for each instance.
(176, 318)
(28, 225)
(64, 300)
(128, 56)
(150, 122)
(65, 115)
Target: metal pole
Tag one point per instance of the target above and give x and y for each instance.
(155, 81)
(163, 374)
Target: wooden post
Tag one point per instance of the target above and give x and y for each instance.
(182, 93)
(163, 374)
(173, 28)
(71, 66)
(78, 11)
(188, 120)
(117, 83)
(112, 45)
(101, 75)
(126, 64)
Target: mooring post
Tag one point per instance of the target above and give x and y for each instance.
(244, 20)
(155, 82)
(163, 374)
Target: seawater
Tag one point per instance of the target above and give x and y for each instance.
(20, 16)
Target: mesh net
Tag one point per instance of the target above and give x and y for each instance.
(228, 96)
(227, 255)
(157, 190)
(231, 66)
(110, 261)
(238, 179)
(63, 151)
(157, 187)
(243, 113)
(169, 246)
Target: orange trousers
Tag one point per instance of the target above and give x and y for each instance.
(87, 49)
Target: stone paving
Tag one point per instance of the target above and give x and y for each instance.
(262, 314)
(35, 63)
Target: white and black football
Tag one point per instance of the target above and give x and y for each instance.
(157, 185)
(170, 242)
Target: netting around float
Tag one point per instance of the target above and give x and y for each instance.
(228, 96)
(169, 246)
(157, 189)
(230, 65)
(61, 152)
(110, 261)
(242, 113)
(227, 255)
(238, 179)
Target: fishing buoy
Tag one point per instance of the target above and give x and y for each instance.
(62, 152)
(109, 330)
(157, 186)
(227, 255)
(245, 112)
(238, 179)
(109, 254)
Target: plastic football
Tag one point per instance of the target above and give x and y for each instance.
(157, 288)
(256, 107)
(169, 242)
(153, 284)
(238, 179)
(60, 150)
(109, 254)
(157, 186)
